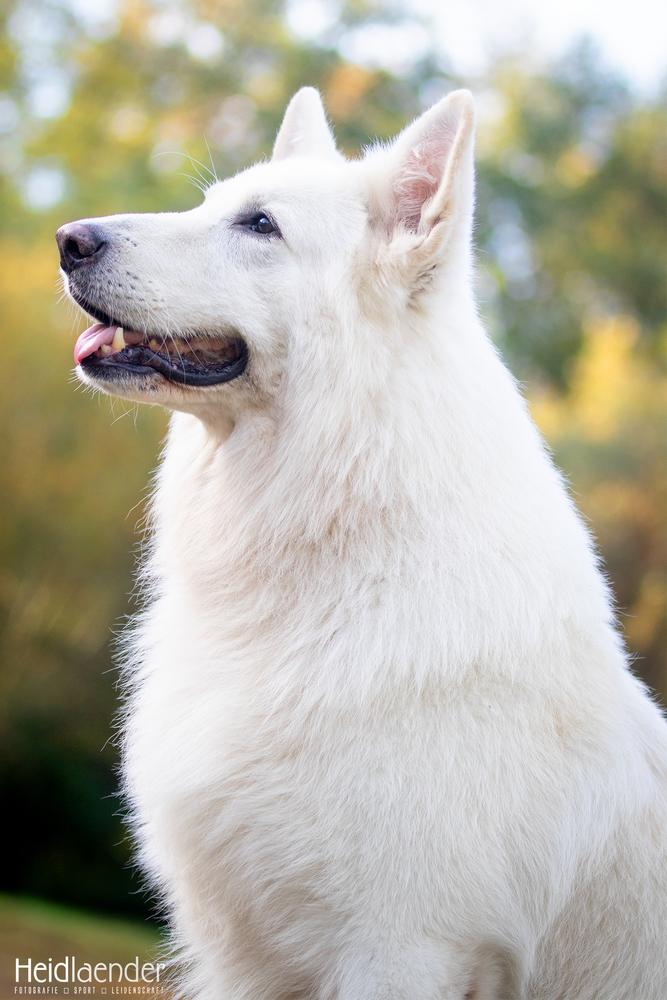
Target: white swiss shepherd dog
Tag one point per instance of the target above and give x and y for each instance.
(381, 738)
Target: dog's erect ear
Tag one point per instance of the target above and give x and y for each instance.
(305, 130)
(431, 174)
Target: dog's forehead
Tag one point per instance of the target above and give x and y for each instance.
(297, 183)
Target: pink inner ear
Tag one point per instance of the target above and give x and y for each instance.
(421, 172)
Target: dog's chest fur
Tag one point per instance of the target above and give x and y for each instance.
(315, 716)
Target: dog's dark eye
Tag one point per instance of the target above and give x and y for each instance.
(262, 224)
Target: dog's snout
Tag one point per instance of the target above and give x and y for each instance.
(80, 243)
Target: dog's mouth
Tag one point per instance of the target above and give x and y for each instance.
(106, 350)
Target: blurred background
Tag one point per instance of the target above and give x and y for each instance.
(117, 105)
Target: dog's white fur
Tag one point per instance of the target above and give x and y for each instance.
(382, 739)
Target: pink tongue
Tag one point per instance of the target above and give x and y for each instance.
(91, 340)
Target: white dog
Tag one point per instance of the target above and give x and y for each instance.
(382, 741)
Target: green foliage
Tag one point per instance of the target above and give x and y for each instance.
(573, 203)
(111, 115)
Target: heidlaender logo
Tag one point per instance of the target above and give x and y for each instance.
(70, 977)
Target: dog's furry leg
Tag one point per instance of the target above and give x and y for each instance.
(431, 972)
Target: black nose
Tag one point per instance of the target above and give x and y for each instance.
(80, 243)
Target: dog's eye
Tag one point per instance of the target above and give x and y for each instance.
(254, 221)
(262, 224)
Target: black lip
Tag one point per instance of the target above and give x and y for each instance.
(141, 360)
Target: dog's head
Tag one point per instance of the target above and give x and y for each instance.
(300, 257)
